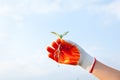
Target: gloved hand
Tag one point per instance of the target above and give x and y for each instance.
(68, 52)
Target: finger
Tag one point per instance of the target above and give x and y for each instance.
(54, 45)
(50, 55)
(66, 44)
(58, 41)
(53, 57)
(50, 50)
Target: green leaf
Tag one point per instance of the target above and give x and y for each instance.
(55, 34)
(60, 35)
(65, 33)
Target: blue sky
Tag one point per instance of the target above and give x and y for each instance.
(25, 27)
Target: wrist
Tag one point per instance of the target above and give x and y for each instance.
(86, 61)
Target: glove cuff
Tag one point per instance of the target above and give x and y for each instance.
(93, 65)
(86, 61)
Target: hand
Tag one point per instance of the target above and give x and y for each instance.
(64, 52)
(68, 52)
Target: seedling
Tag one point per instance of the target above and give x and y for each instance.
(58, 49)
(60, 35)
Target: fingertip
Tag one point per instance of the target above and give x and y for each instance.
(50, 55)
(60, 40)
(47, 48)
(50, 50)
(54, 45)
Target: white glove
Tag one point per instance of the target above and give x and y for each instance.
(68, 52)
(86, 61)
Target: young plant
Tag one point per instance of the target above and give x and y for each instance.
(60, 35)
(58, 49)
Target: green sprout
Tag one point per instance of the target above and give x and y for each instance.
(60, 35)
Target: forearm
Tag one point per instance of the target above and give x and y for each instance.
(104, 72)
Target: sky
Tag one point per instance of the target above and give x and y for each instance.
(25, 32)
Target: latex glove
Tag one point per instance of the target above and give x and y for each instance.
(68, 52)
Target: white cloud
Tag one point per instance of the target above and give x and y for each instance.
(26, 7)
(111, 8)
(4, 9)
(3, 34)
(32, 65)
